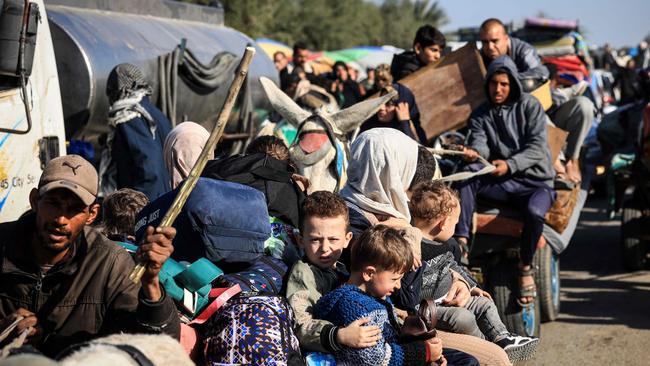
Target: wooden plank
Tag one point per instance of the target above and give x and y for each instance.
(504, 226)
(556, 138)
(447, 91)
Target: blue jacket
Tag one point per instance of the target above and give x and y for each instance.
(139, 156)
(347, 304)
(514, 131)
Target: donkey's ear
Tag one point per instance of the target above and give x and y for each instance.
(283, 104)
(352, 117)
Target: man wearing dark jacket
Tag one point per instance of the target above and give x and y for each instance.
(495, 43)
(63, 281)
(138, 132)
(428, 45)
(574, 116)
(510, 131)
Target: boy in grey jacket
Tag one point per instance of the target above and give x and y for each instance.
(324, 235)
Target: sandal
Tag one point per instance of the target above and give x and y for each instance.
(529, 290)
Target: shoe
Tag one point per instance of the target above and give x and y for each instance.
(563, 184)
(518, 348)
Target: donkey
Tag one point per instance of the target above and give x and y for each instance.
(321, 148)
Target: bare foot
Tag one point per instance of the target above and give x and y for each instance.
(573, 171)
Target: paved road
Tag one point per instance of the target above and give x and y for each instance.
(605, 311)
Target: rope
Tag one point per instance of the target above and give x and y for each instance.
(204, 78)
(487, 169)
(16, 342)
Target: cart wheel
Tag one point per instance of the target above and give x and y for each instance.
(503, 281)
(634, 249)
(547, 278)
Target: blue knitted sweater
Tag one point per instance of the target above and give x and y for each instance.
(349, 303)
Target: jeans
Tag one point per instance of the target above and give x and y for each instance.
(533, 197)
(459, 358)
(478, 318)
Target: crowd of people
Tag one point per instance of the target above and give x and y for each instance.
(359, 261)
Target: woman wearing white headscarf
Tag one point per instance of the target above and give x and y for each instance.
(384, 164)
(182, 148)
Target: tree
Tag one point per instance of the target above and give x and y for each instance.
(333, 24)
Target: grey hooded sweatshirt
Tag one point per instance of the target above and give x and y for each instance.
(514, 131)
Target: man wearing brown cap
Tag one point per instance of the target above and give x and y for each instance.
(65, 280)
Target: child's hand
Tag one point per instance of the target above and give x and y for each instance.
(458, 295)
(471, 155)
(435, 348)
(356, 335)
(478, 292)
(402, 314)
(402, 111)
(417, 263)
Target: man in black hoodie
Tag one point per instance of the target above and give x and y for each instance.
(427, 48)
(510, 131)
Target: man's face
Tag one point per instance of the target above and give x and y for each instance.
(280, 61)
(429, 54)
(60, 217)
(300, 57)
(323, 240)
(499, 88)
(494, 41)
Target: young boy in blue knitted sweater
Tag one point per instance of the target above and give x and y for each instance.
(379, 259)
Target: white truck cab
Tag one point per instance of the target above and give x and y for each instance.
(31, 118)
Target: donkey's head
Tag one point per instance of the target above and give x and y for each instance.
(320, 148)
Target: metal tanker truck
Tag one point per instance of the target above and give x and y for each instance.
(55, 58)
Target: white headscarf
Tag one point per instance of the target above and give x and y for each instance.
(182, 148)
(382, 166)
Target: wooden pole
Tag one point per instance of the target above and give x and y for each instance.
(189, 184)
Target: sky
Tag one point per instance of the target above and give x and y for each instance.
(619, 22)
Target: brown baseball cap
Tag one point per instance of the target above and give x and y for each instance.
(71, 172)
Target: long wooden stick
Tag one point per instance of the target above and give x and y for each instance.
(195, 173)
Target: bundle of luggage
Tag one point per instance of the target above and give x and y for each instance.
(230, 261)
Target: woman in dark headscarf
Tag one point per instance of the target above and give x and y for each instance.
(134, 155)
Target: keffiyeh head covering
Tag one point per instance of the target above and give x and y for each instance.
(123, 81)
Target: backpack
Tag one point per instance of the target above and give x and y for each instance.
(224, 222)
(253, 329)
(265, 275)
(271, 176)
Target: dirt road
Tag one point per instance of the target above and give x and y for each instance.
(605, 310)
